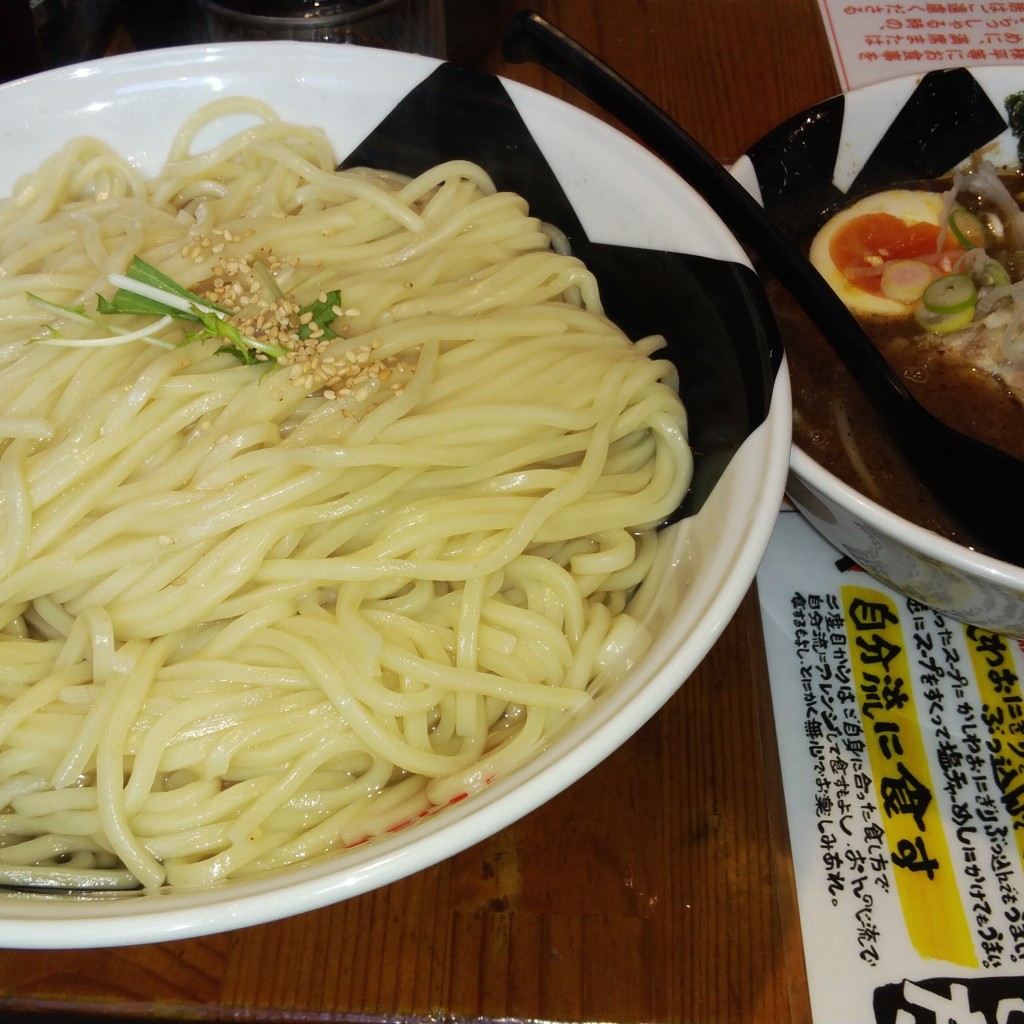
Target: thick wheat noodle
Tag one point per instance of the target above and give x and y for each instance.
(251, 614)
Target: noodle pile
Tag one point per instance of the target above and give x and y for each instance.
(252, 613)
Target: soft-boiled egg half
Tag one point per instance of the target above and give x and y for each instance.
(853, 248)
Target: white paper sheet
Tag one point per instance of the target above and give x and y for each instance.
(901, 736)
(875, 41)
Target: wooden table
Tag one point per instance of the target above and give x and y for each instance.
(657, 888)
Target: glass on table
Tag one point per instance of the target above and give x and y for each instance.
(416, 26)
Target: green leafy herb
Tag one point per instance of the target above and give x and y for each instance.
(323, 315)
(146, 290)
(52, 335)
(74, 312)
(242, 347)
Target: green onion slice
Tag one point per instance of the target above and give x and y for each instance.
(952, 294)
(943, 323)
(905, 280)
(966, 228)
(992, 274)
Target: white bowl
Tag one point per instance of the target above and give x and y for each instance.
(622, 196)
(905, 129)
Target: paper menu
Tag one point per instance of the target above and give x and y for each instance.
(871, 42)
(901, 738)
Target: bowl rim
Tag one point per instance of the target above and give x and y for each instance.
(929, 543)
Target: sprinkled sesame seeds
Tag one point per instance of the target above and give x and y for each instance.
(234, 285)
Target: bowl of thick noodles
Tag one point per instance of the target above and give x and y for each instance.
(382, 444)
(907, 197)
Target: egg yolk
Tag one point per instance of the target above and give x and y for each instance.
(866, 242)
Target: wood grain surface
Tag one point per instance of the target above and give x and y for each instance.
(657, 888)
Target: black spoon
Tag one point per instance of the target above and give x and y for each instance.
(980, 487)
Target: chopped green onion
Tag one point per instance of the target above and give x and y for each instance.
(991, 274)
(943, 323)
(952, 294)
(966, 228)
(905, 280)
